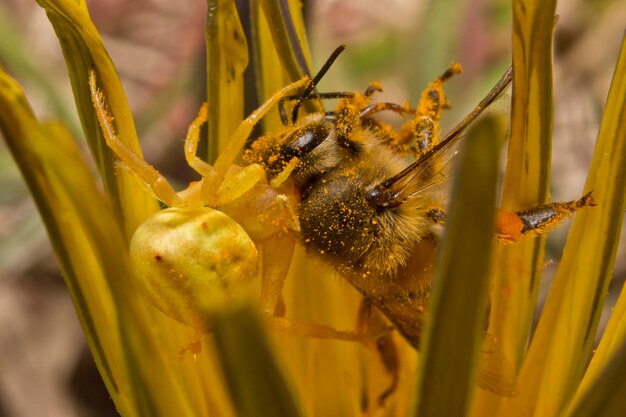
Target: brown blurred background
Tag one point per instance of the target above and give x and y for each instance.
(157, 46)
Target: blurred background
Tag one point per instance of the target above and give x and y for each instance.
(158, 48)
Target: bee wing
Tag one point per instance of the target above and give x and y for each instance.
(427, 177)
(393, 301)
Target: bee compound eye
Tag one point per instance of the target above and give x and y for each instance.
(192, 263)
(302, 141)
(307, 138)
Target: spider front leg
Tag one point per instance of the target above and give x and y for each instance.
(231, 152)
(277, 253)
(129, 159)
(218, 188)
(231, 187)
(191, 143)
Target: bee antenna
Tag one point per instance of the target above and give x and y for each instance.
(309, 89)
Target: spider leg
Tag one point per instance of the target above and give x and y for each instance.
(235, 185)
(316, 331)
(191, 143)
(217, 189)
(277, 252)
(232, 186)
(269, 216)
(238, 139)
(129, 159)
(276, 256)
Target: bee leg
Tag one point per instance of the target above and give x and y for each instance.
(535, 221)
(374, 87)
(436, 215)
(425, 125)
(386, 134)
(284, 118)
(388, 352)
(129, 159)
(372, 109)
(511, 227)
(371, 321)
(347, 116)
(355, 110)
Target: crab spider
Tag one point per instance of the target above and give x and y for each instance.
(226, 198)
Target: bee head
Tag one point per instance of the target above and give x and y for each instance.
(306, 149)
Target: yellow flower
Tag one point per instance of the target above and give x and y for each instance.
(153, 365)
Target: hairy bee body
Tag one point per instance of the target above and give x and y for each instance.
(342, 222)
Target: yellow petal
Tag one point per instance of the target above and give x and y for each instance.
(227, 59)
(562, 343)
(457, 307)
(608, 178)
(83, 49)
(526, 182)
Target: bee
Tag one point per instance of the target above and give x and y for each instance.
(342, 181)
(367, 211)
